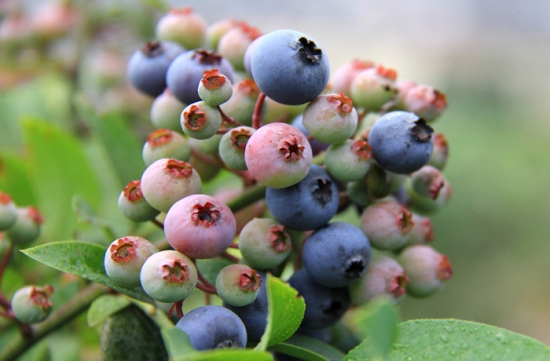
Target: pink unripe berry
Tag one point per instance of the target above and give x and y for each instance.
(340, 81)
(425, 101)
(372, 88)
(234, 43)
(183, 26)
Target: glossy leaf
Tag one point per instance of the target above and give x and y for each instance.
(308, 348)
(104, 307)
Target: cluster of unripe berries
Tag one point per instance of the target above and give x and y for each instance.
(266, 108)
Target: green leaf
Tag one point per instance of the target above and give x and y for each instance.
(15, 180)
(308, 348)
(81, 259)
(451, 340)
(85, 213)
(59, 170)
(210, 268)
(176, 342)
(378, 321)
(285, 312)
(121, 146)
(104, 307)
(226, 355)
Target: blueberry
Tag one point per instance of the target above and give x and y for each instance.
(341, 80)
(166, 111)
(31, 304)
(8, 212)
(212, 327)
(27, 227)
(401, 142)
(440, 153)
(254, 315)
(183, 26)
(337, 254)
(307, 205)
(186, 71)
(215, 88)
(289, 67)
(263, 243)
(232, 146)
(348, 161)
(133, 205)
(238, 284)
(147, 67)
(372, 88)
(235, 42)
(324, 305)
(165, 143)
(316, 145)
(200, 120)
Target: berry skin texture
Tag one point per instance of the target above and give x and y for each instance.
(387, 224)
(186, 71)
(235, 42)
(348, 161)
(278, 155)
(340, 81)
(148, 66)
(166, 111)
(200, 120)
(373, 87)
(168, 180)
(428, 270)
(133, 205)
(264, 243)
(289, 67)
(324, 306)
(254, 315)
(164, 143)
(425, 101)
(27, 227)
(330, 118)
(168, 276)
(215, 88)
(440, 153)
(31, 304)
(200, 226)
(238, 284)
(336, 255)
(232, 147)
(183, 26)
(307, 205)
(8, 212)
(385, 276)
(213, 327)
(401, 142)
(124, 258)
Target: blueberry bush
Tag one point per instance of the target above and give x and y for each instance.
(221, 193)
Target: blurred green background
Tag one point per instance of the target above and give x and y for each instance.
(492, 60)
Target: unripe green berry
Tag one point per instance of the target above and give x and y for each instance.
(232, 146)
(215, 88)
(133, 205)
(27, 227)
(124, 258)
(164, 143)
(8, 212)
(200, 120)
(238, 284)
(348, 161)
(31, 304)
(166, 111)
(263, 243)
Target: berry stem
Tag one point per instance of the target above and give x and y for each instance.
(257, 116)
(5, 261)
(246, 198)
(227, 119)
(230, 257)
(157, 223)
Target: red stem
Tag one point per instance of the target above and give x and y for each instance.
(230, 257)
(227, 119)
(157, 223)
(257, 116)
(5, 261)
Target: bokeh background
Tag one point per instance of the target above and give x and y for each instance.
(492, 60)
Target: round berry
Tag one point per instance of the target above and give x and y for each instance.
(200, 120)
(213, 327)
(168, 276)
(425, 101)
(234, 43)
(336, 255)
(263, 243)
(401, 142)
(168, 180)
(238, 284)
(200, 226)
(165, 143)
(215, 88)
(278, 155)
(373, 87)
(124, 258)
(289, 67)
(242, 102)
(341, 80)
(166, 111)
(31, 304)
(27, 227)
(306, 205)
(440, 152)
(183, 26)
(316, 145)
(348, 161)
(133, 205)
(232, 147)
(8, 212)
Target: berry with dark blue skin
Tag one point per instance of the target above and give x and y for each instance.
(148, 66)
(289, 67)
(212, 327)
(307, 205)
(401, 142)
(186, 71)
(254, 315)
(324, 305)
(337, 254)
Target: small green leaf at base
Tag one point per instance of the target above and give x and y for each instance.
(285, 312)
(451, 340)
(82, 259)
(104, 307)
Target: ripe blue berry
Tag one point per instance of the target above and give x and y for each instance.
(133, 205)
(200, 226)
(278, 155)
(213, 327)
(31, 304)
(401, 142)
(324, 305)
(385, 276)
(289, 67)
(263, 243)
(124, 258)
(428, 270)
(186, 71)
(238, 284)
(336, 255)
(147, 67)
(168, 276)
(306, 205)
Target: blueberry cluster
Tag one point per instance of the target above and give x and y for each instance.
(266, 108)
